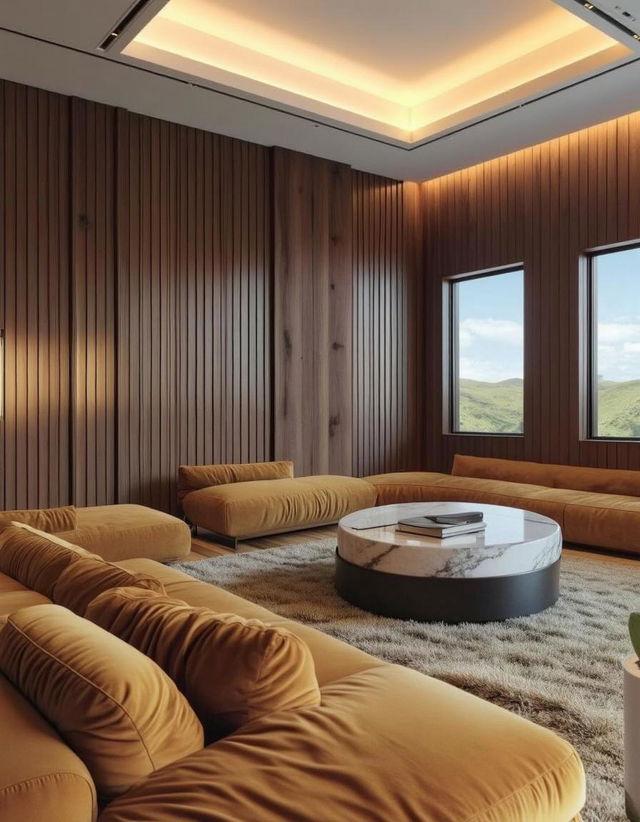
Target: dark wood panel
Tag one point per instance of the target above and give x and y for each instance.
(386, 325)
(146, 318)
(93, 361)
(193, 278)
(543, 206)
(34, 296)
(312, 313)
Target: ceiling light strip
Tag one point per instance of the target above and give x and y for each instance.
(117, 30)
(609, 19)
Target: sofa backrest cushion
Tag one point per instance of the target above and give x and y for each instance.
(231, 669)
(84, 580)
(194, 477)
(35, 558)
(51, 520)
(41, 778)
(113, 706)
(574, 477)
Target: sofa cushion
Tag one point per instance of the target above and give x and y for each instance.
(574, 477)
(52, 520)
(194, 477)
(332, 658)
(387, 745)
(34, 558)
(117, 532)
(83, 580)
(404, 486)
(248, 509)
(604, 520)
(12, 601)
(41, 778)
(113, 706)
(428, 487)
(231, 670)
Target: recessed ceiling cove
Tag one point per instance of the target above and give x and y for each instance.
(404, 71)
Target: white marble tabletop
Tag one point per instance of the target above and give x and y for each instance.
(514, 542)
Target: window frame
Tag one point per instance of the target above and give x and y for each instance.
(452, 348)
(592, 339)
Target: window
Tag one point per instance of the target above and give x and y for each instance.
(487, 353)
(614, 296)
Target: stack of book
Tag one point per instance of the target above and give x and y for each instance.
(443, 525)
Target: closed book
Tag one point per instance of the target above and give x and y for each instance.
(440, 531)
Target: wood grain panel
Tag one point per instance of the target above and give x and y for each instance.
(543, 206)
(34, 296)
(193, 279)
(386, 325)
(93, 361)
(312, 313)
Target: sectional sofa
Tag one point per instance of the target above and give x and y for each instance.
(93, 725)
(115, 532)
(594, 506)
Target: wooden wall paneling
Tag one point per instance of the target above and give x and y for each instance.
(388, 325)
(312, 313)
(34, 214)
(194, 293)
(571, 194)
(147, 297)
(137, 295)
(93, 358)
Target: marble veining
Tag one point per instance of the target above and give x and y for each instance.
(514, 542)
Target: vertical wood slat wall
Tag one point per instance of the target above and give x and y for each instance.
(544, 207)
(135, 297)
(193, 297)
(34, 297)
(149, 272)
(386, 326)
(92, 293)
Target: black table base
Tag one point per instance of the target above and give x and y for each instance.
(447, 599)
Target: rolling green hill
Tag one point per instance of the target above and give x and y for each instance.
(491, 407)
(496, 407)
(619, 409)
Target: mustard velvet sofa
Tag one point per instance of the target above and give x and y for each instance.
(244, 501)
(599, 507)
(114, 532)
(384, 743)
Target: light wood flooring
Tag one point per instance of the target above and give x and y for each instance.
(204, 546)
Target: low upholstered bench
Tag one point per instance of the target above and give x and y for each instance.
(245, 501)
(593, 506)
(114, 532)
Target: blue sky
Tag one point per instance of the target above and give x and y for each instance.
(492, 321)
(618, 300)
(490, 311)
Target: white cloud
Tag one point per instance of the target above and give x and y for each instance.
(485, 370)
(619, 349)
(618, 332)
(500, 331)
(491, 350)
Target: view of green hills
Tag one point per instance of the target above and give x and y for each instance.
(491, 407)
(496, 407)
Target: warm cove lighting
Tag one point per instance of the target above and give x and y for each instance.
(205, 39)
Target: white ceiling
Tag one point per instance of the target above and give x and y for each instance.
(53, 45)
(403, 39)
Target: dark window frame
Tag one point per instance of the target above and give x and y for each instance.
(592, 340)
(452, 345)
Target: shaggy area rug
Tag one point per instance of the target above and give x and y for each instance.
(560, 668)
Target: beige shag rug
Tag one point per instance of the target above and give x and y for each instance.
(560, 668)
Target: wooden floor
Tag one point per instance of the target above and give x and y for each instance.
(203, 546)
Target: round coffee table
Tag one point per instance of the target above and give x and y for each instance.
(511, 569)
